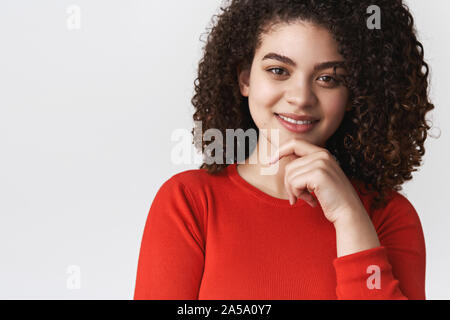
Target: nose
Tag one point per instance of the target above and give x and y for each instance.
(301, 95)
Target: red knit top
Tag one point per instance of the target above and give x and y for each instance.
(219, 237)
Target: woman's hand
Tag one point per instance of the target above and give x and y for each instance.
(316, 171)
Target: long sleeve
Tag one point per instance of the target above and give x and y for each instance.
(171, 258)
(395, 269)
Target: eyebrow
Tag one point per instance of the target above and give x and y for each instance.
(317, 67)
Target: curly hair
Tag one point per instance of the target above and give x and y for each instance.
(381, 139)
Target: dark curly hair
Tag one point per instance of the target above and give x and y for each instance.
(381, 139)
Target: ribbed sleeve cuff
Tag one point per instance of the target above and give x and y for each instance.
(366, 275)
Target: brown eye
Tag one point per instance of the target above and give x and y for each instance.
(276, 73)
(330, 80)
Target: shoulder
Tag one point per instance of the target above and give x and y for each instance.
(400, 210)
(194, 186)
(197, 179)
(178, 205)
(398, 206)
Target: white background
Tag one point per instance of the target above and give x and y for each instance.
(86, 118)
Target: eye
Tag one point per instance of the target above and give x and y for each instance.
(330, 80)
(277, 69)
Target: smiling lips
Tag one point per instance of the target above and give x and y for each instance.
(296, 123)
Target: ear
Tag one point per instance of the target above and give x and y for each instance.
(244, 81)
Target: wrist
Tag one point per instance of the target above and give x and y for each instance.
(355, 232)
(351, 216)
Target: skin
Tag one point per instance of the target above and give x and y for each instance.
(305, 169)
(298, 90)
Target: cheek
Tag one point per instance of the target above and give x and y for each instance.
(262, 98)
(334, 106)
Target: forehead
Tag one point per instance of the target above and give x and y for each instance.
(299, 40)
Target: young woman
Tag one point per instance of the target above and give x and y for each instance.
(329, 222)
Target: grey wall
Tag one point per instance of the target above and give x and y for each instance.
(86, 119)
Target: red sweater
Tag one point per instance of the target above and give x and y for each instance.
(219, 237)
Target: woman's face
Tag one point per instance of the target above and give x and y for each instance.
(297, 84)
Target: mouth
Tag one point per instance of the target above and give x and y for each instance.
(297, 124)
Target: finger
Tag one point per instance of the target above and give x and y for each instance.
(293, 170)
(309, 199)
(288, 191)
(296, 165)
(293, 200)
(296, 146)
(302, 187)
(296, 194)
(306, 196)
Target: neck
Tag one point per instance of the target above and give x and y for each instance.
(253, 168)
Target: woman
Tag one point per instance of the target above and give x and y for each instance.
(348, 104)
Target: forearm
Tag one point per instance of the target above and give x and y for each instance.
(355, 232)
(365, 269)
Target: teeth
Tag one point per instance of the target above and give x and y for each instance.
(294, 121)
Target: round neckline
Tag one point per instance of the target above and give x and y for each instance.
(234, 175)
